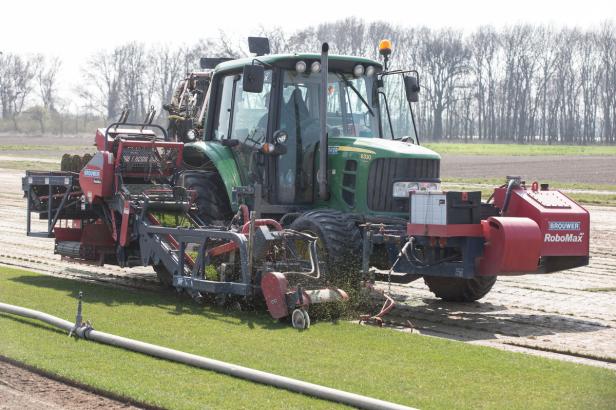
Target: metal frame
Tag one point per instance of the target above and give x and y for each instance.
(405, 269)
(154, 249)
(130, 124)
(51, 181)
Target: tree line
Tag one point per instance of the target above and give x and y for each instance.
(522, 84)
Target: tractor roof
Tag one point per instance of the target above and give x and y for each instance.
(291, 58)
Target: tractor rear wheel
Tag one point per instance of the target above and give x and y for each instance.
(460, 290)
(212, 201)
(339, 244)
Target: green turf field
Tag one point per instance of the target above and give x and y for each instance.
(519, 149)
(415, 370)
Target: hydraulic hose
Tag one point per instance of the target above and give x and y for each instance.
(512, 182)
(294, 385)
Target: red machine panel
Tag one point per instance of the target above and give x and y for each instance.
(96, 178)
(564, 224)
(274, 287)
(512, 246)
(99, 139)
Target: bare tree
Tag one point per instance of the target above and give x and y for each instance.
(607, 44)
(103, 82)
(445, 58)
(522, 83)
(16, 75)
(47, 81)
(166, 68)
(134, 92)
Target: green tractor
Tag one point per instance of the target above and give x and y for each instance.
(258, 139)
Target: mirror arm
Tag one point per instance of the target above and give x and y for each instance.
(263, 63)
(391, 127)
(413, 119)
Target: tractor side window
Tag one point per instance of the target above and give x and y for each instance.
(246, 117)
(221, 127)
(401, 119)
(359, 121)
(250, 113)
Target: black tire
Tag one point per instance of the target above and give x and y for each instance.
(212, 200)
(460, 290)
(340, 244)
(65, 163)
(164, 276)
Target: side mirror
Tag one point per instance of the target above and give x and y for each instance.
(253, 78)
(411, 86)
(280, 136)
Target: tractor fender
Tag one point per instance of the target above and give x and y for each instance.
(198, 154)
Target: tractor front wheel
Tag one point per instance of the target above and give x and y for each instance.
(212, 202)
(339, 244)
(460, 290)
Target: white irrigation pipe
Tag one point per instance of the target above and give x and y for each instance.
(287, 383)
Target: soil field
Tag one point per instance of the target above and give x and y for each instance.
(570, 169)
(569, 315)
(23, 389)
(582, 169)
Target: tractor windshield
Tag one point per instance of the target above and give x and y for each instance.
(349, 106)
(351, 111)
(396, 116)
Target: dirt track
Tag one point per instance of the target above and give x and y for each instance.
(569, 315)
(26, 390)
(584, 169)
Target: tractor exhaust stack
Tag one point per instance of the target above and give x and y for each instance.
(322, 176)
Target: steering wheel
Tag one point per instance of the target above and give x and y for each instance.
(257, 141)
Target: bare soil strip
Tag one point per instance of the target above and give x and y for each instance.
(23, 388)
(569, 314)
(583, 169)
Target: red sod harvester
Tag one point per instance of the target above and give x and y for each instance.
(116, 210)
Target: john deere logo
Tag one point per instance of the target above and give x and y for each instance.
(564, 226)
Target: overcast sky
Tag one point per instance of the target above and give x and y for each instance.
(73, 30)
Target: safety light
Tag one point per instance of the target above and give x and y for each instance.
(358, 70)
(385, 47)
(315, 67)
(300, 67)
(370, 71)
(268, 148)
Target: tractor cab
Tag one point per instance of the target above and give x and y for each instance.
(272, 113)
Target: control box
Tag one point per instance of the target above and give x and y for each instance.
(445, 208)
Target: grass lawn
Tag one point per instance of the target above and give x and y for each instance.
(518, 149)
(416, 370)
(7, 148)
(29, 165)
(584, 198)
(553, 184)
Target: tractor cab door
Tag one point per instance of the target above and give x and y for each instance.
(243, 117)
(299, 117)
